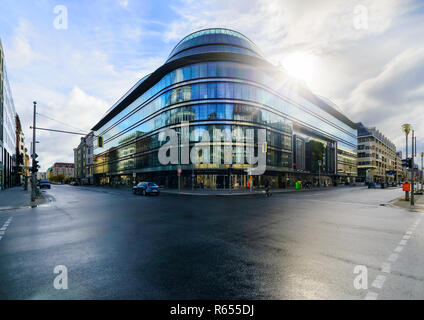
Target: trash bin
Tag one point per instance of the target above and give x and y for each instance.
(298, 185)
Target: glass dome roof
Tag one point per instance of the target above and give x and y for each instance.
(214, 40)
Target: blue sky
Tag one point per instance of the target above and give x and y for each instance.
(374, 74)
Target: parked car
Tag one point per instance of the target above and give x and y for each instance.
(44, 184)
(146, 188)
(372, 185)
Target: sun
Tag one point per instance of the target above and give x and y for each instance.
(301, 65)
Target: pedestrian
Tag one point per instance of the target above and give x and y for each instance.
(268, 194)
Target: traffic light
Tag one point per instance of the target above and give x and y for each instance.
(407, 163)
(100, 142)
(35, 165)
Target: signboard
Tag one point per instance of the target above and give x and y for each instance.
(406, 186)
(391, 173)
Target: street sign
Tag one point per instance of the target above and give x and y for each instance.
(390, 173)
(407, 186)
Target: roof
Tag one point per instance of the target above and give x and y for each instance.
(215, 40)
(209, 45)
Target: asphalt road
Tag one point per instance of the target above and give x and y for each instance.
(290, 246)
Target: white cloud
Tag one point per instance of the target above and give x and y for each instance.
(123, 3)
(393, 97)
(77, 109)
(21, 54)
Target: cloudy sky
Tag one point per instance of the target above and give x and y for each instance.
(366, 56)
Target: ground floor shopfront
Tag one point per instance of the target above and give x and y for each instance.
(373, 175)
(227, 179)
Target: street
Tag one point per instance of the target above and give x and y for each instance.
(305, 245)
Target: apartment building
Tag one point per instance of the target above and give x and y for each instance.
(377, 160)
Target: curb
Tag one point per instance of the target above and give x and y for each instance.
(254, 193)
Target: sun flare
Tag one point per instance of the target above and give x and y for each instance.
(301, 65)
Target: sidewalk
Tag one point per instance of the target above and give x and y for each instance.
(208, 192)
(15, 198)
(401, 203)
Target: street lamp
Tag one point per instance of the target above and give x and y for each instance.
(319, 172)
(422, 157)
(406, 128)
(179, 163)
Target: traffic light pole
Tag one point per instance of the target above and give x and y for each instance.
(413, 169)
(33, 173)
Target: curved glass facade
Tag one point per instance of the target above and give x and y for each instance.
(223, 94)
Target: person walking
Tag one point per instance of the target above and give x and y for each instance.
(267, 193)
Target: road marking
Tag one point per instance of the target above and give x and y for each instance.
(1, 237)
(393, 257)
(403, 242)
(2, 229)
(379, 281)
(406, 237)
(2, 233)
(398, 249)
(371, 296)
(409, 232)
(386, 267)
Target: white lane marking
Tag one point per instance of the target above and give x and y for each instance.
(386, 267)
(3, 229)
(403, 242)
(379, 281)
(406, 237)
(409, 232)
(2, 233)
(398, 249)
(393, 257)
(371, 296)
(1, 237)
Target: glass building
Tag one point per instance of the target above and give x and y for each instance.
(7, 129)
(218, 79)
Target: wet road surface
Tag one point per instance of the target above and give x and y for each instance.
(306, 245)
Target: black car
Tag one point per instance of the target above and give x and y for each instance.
(146, 188)
(44, 184)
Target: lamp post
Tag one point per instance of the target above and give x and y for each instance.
(179, 163)
(406, 128)
(319, 172)
(422, 173)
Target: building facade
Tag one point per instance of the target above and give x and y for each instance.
(217, 79)
(400, 176)
(21, 150)
(41, 175)
(83, 160)
(376, 156)
(7, 129)
(61, 168)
